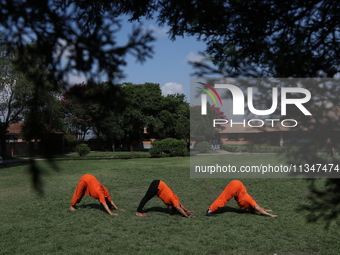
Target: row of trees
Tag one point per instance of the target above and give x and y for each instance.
(119, 113)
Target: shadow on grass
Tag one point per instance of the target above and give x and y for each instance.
(163, 210)
(228, 209)
(157, 209)
(95, 206)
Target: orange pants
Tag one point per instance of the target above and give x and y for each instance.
(79, 192)
(235, 189)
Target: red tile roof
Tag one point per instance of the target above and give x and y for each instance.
(15, 128)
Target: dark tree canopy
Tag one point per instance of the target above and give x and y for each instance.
(256, 38)
(71, 36)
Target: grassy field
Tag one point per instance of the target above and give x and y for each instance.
(33, 225)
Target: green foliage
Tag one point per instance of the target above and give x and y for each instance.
(203, 147)
(174, 147)
(201, 126)
(171, 146)
(71, 142)
(259, 148)
(119, 113)
(254, 38)
(94, 106)
(173, 118)
(168, 144)
(91, 25)
(143, 102)
(156, 150)
(82, 149)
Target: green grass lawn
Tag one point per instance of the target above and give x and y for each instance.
(33, 225)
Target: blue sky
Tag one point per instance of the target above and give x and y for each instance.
(169, 65)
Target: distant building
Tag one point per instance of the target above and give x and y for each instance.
(276, 136)
(16, 145)
(14, 133)
(322, 125)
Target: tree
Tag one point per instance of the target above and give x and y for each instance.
(77, 116)
(15, 92)
(106, 102)
(255, 38)
(71, 36)
(42, 113)
(201, 126)
(120, 113)
(172, 119)
(143, 104)
(95, 107)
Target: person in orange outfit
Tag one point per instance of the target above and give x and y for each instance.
(160, 189)
(89, 185)
(235, 189)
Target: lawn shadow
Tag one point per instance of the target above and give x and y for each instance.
(163, 210)
(157, 209)
(227, 209)
(93, 206)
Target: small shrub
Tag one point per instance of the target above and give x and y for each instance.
(171, 146)
(82, 149)
(230, 148)
(257, 148)
(168, 144)
(203, 147)
(156, 150)
(178, 148)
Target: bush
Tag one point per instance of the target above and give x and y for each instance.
(171, 146)
(156, 150)
(256, 148)
(82, 149)
(203, 147)
(168, 144)
(178, 148)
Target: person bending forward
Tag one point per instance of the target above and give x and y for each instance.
(235, 189)
(89, 185)
(160, 189)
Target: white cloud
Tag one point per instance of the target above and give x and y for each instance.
(74, 78)
(193, 57)
(172, 88)
(158, 31)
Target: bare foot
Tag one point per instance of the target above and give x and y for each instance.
(72, 208)
(140, 214)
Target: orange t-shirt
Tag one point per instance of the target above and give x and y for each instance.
(245, 201)
(167, 195)
(95, 189)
